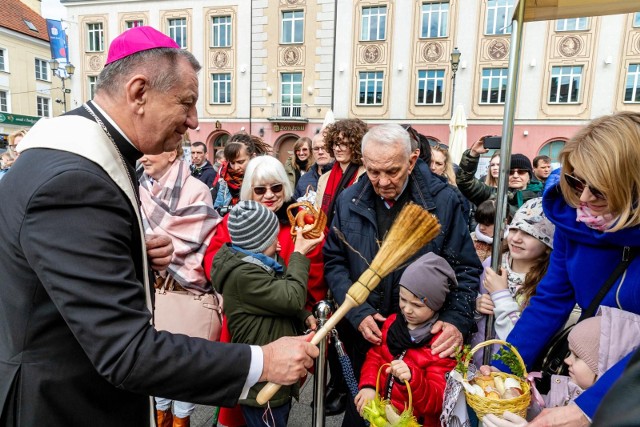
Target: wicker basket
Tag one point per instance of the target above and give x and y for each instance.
(483, 405)
(318, 226)
(413, 422)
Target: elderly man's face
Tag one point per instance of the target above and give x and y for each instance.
(320, 152)
(168, 115)
(388, 167)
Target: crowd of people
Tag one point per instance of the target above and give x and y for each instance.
(85, 242)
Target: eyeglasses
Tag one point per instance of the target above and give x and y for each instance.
(518, 172)
(578, 186)
(339, 146)
(318, 149)
(436, 144)
(262, 190)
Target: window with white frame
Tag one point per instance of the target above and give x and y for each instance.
(499, 13)
(42, 69)
(565, 84)
(134, 23)
(178, 31)
(221, 31)
(370, 85)
(3, 59)
(572, 24)
(4, 101)
(494, 86)
(636, 19)
(430, 87)
(43, 106)
(291, 94)
(95, 37)
(374, 23)
(91, 85)
(435, 17)
(632, 88)
(220, 88)
(292, 26)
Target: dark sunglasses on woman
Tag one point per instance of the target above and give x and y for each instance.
(262, 190)
(578, 186)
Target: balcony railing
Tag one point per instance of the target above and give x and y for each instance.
(289, 112)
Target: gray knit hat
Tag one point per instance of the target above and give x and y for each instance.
(252, 227)
(531, 219)
(430, 278)
(584, 341)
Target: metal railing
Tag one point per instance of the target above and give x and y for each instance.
(296, 112)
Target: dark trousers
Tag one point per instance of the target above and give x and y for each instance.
(261, 417)
(356, 347)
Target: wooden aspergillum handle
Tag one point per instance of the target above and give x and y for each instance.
(269, 390)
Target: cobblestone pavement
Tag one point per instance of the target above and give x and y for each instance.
(301, 412)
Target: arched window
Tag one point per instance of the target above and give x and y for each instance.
(220, 141)
(552, 149)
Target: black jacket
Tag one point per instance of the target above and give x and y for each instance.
(205, 173)
(355, 218)
(77, 347)
(310, 178)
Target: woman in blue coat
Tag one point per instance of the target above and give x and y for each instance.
(595, 210)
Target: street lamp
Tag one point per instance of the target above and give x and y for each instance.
(455, 62)
(69, 69)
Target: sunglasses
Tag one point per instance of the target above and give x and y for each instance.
(518, 172)
(439, 145)
(578, 186)
(262, 190)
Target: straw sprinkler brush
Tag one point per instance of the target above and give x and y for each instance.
(413, 228)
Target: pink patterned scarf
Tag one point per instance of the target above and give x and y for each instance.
(179, 206)
(597, 222)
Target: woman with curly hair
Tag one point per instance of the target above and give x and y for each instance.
(300, 161)
(239, 149)
(343, 140)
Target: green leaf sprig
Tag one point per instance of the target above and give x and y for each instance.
(508, 357)
(462, 355)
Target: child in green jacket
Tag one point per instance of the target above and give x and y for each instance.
(262, 300)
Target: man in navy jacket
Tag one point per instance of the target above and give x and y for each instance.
(365, 212)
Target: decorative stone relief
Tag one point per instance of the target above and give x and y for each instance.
(498, 49)
(290, 56)
(95, 63)
(432, 51)
(570, 46)
(220, 59)
(291, 2)
(371, 54)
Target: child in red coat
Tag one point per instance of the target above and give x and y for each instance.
(406, 344)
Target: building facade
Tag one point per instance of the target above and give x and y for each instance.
(27, 87)
(276, 67)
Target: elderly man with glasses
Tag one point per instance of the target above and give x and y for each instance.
(10, 156)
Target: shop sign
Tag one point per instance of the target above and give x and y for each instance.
(18, 120)
(287, 128)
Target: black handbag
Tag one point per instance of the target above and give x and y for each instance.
(552, 362)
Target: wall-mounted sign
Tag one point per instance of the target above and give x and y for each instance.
(287, 128)
(18, 120)
(218, 124)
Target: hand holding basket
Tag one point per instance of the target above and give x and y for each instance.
(312, 220)
(490, 401)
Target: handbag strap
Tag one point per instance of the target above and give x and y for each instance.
(628, 254)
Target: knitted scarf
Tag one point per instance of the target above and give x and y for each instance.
(234, 182)
(336, 183)
(400, 338)
(168, 208)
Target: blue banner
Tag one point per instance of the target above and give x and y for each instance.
(58, 41)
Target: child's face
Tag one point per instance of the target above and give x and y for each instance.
(414, 311)
(523, 246)
(486, 229)
(271, 250)
(580, 372)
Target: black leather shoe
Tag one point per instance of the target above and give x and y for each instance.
(334, 402)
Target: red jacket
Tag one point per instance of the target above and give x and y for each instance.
(427, 377)
(316, 288)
